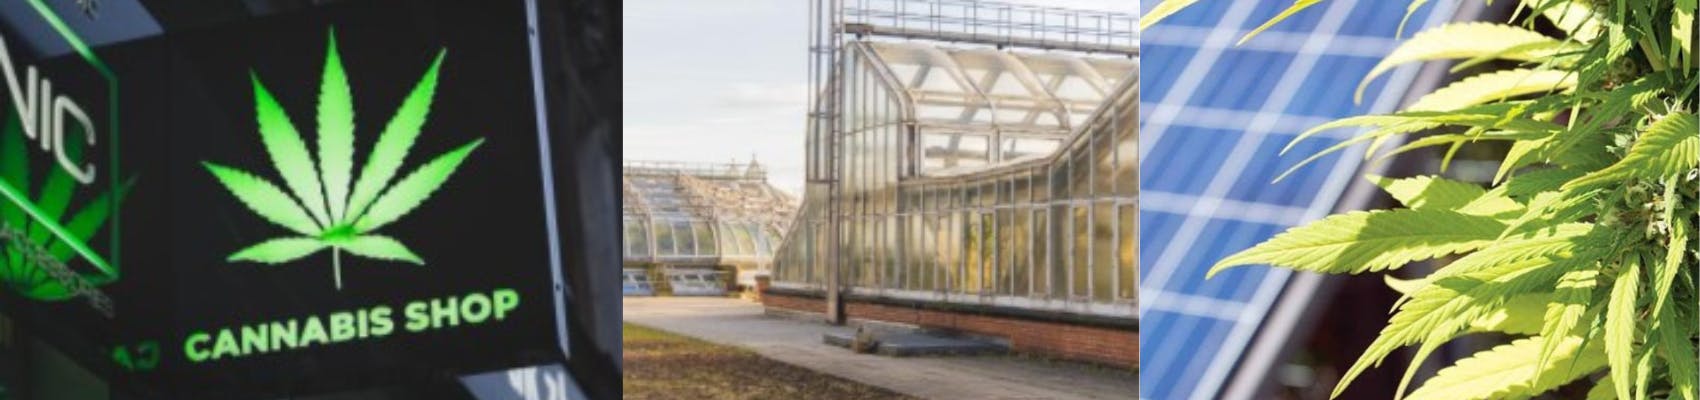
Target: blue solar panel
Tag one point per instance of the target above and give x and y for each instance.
(1213, 120)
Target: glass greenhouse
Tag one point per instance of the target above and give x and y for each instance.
(701, 216)
(971, 175)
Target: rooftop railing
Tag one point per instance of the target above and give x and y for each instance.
(994, 23)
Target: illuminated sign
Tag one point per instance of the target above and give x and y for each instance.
(306, 208)
(52, 211)
(319, 205)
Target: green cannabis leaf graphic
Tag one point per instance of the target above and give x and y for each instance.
(20, 266)
(318, 204)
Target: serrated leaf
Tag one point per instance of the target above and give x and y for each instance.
(1613, 106)
(1571, 299)
(1504, 371)
(380, 247)
(414, 189)
(1466, 40)
(1675, 332)
(1475, 286)
(1668, 148)
(1494, 86)
(278, 251)
(1424, 192)
(1370, 241)
(1620, 325)
(1491, 116)
(264, 199)
(394, 143)
(1666, 270)
(1530, 183)
(289, 153)
(336, 132)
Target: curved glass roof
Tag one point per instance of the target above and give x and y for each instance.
(702, 214)
(976, 108)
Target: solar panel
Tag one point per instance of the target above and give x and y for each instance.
(1214, 118)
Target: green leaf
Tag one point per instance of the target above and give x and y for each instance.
(14, 167)
(1575, 17)
(1675, 332)
(1502, 372)
(1466, 40)
(1520, 315)
(336, 133)
(1298, 5)
(1475, 286)
(380, 247)
(409, 192)
(1602, 390)
(88, 219)
(279, 251)
(1530, 183)
(1668, 148)
(1493, 87)
(55, 197)
(1620, 325)
(289, 153)
(1161, 11)
(264, 199)
(1370, 241)
(1666, 271)
(394, 143)
(1424, 192)
(1613, 106)
(1570, 301)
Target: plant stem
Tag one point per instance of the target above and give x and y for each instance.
(336, 266)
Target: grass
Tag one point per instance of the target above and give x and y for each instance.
(661, 365)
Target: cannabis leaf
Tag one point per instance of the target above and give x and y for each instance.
(19, 269)
(1585, 235)
(316, 202)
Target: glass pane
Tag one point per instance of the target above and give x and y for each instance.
(1080, 241)
(705, 239)
(686, 240)
(1128, 274)
(1021, 237)
(1005, 252)
(664, 238)
(1104, 260)
(637, 238)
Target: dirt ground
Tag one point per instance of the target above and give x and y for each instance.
(660, 365)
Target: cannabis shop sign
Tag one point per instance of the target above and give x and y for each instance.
(313, 199)
(342, 326)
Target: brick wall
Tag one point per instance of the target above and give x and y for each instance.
(1061, 340)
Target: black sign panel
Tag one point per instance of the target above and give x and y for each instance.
(298, 200)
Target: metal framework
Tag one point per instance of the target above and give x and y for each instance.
(969, 152)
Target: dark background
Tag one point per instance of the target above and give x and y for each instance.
(186, 99)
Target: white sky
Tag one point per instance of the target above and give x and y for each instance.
(714, 81)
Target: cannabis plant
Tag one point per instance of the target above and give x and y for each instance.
(1582, 248)
(319, 205)
(27, 244)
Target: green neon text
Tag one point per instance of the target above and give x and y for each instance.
(368, 323)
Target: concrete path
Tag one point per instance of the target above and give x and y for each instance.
(798, 342)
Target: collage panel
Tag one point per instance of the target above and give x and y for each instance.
(1376, 199)
(955, 219)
